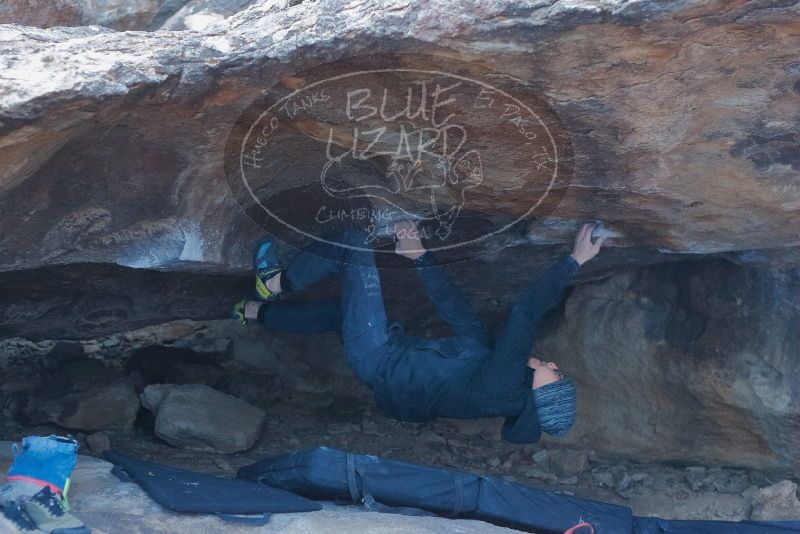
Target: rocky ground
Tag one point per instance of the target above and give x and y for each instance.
(289, 393)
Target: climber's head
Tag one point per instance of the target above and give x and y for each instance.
(554, 394)
(544, 372)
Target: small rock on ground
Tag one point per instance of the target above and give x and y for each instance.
(197, 417)
(568, 462)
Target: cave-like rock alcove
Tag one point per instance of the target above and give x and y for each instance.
(146, 147)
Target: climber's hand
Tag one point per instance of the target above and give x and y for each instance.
(409, 241)
(584, 249)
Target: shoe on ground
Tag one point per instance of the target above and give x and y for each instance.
(266, 265)
(47, 511)
(18, 490)
(16, 515)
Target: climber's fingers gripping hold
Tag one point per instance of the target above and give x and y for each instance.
(584, 249)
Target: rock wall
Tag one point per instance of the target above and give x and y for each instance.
(688, 363)
(692, 362)
(83, 301)
(120, 14)
(116, 14)
(681, 125)
(680, 144)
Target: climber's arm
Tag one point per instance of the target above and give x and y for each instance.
(519, 329)
(450, 302)
(547, 291)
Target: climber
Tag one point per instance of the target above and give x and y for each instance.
(465, 376)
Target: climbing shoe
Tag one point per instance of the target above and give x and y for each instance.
(238, 312)
(47, 511)
(16, 514)
(18, 490)
(265, 263)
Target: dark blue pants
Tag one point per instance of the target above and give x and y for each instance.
(359, 317)
(303, 317)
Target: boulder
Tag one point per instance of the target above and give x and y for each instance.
(101, 407)
(195, 416)
(603, 479)
(541, 474)
(777, 502)
(154, 394)
(691, 362)
(80, 394)
(682, 148)
(542, 458)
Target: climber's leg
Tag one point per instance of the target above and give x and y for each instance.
(364, 322)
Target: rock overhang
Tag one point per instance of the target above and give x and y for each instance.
(680, 146)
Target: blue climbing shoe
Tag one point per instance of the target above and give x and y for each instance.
(266, 265)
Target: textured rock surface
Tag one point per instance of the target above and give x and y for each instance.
(120, 14)
(312, 401)
(199, 14)
(696, 361)
(111, 145)
(195, 416)
(84, 395)
(777, 502)
(85, 300)
(105, 407)
(116, 14)
(566, 462)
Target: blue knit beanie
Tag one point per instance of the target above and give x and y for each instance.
(555, 406)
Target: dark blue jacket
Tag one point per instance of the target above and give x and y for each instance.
(422, 379)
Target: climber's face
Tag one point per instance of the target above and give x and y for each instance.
(544, 372)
